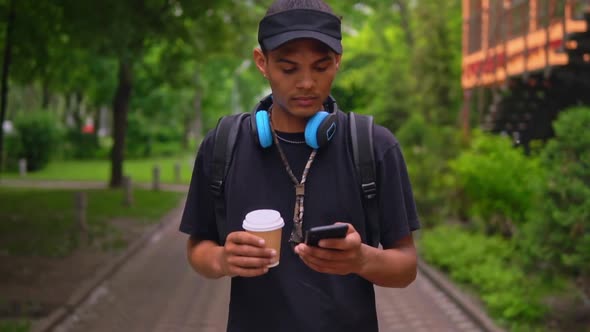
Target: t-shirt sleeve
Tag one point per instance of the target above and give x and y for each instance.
(198, 218)
(398, 214)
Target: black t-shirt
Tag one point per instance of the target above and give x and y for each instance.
(291, 296)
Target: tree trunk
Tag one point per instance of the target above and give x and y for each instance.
(5, 69)
(120, 109)
(75, 109)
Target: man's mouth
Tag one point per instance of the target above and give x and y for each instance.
(305, 101)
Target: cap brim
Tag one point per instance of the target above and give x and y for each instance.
(273, 42)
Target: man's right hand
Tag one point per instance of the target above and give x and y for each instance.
(246, 255)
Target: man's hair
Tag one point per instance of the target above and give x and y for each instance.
(283, 5)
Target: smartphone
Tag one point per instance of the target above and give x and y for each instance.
(315, 234)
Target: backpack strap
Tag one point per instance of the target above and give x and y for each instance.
(361, 136)
(226, 134)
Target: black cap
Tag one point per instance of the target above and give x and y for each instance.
(276, 29)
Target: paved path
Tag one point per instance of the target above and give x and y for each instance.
(157, 291)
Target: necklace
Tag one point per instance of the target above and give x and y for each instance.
(289, 141)
(296, 236)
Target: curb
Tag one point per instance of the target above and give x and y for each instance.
(466, 304)
(86, 288)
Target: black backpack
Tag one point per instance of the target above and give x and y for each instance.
(361, 138)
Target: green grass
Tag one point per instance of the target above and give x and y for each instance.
(42, 221)
(14, 326)
(99, 170)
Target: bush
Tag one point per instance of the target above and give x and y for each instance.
(81, 145)
(15, 325)
(499, 183)
(486, 265)
(39, 137)
(139, 136)
(144, 139)
(427, 149)
(558, 234)
(12, 151)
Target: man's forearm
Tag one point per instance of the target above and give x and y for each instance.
(394, 267)
(205, 257)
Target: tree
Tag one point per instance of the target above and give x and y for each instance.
(437, 59)
(5, 68)
(127, 30)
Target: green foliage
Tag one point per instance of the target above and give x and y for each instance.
(39, 136)
(12, 151)
(558, 234)
(376, 75)
(147, 139)
(487, 265)
(498, 183)
(79, 145)
(437, 59)
(139, 136)
(427, 149)
(15, 326)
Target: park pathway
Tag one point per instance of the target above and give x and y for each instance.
(157, 291)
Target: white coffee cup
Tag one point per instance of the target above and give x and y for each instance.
(268, 225)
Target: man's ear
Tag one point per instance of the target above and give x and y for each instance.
(260, 60)
(338, 60)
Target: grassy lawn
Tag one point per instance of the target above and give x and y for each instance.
(42, 222)
(14, 326)
(99, 170)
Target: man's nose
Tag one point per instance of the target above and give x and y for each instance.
(305, 81)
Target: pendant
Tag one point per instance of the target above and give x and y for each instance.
(296, 234)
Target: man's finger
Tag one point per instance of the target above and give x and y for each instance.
(327, 254)
(246, 238)
(248, 272)
(249, 262)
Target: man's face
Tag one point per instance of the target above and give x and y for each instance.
(300, 74)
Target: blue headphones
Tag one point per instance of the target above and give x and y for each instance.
(318, 132)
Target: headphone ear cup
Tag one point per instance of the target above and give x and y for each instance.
(263, 129)
(312, 129)
(327, 129)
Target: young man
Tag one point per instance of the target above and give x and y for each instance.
(325, 288)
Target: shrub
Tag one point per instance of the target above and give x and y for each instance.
(81, 145)
(145, 139)
(485, 263)
(12, 151)
(558, 234)
(499, 183)
(139, 136)
(427, 149)
(39, 137)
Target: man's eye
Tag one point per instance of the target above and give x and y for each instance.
(289, 70)
(321, 69)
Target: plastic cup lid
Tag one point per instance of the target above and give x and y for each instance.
(263, 221)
